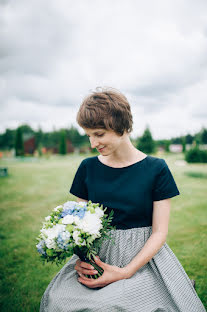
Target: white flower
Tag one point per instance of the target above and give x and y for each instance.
(90, 223)
(57, 208)
(47, 218)
(66, 235)
(78, 240)
(53, 232)
(50, 234)
(69, 219)
(76, 237)
(82, 204)
(99, 212)
(76, 219)
(50, 243)
(69, 205)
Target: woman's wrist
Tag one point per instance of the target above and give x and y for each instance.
(126, 272)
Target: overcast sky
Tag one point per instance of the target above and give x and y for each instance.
(53, 52)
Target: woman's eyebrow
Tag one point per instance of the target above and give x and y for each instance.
(96, 132)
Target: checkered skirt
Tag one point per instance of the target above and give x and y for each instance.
(161, 285)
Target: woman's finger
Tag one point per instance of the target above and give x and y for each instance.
(85, 271)
(78, 262)
(86, 265)
(88, 272)
(98, 261)
(83, 277)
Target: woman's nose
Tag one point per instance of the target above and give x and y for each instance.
(93, 142)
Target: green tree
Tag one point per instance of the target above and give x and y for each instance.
(7, 139)
(146, 143)
(19, 145)
(183, 144)
(38, 137)
(177, 140)
(75, 137)
(197, 139)
(189, 139)
(62, 145)
(26, 129)
(204, 136)
(167, 146)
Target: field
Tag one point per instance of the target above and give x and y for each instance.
(35, 186)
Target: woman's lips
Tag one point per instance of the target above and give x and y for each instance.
(101, 149)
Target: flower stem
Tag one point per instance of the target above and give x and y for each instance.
(97, 268)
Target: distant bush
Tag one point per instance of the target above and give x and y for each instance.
(196, 174)
(195, 155)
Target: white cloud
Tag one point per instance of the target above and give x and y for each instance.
(52, 53)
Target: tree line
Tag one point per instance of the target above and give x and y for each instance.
(13, 138)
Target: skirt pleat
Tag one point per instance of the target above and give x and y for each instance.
(161, 285)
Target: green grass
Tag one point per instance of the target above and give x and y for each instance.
(33, 188)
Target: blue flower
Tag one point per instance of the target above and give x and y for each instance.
(70, 205)
(40, 247)
(82, 205)
(74, 208)
(63, 240)
(66, 212)
(80, 213)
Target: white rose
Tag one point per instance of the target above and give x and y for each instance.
(76, 219)
(90, 223)
(69, 219)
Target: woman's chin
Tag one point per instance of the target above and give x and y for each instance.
(103, 153)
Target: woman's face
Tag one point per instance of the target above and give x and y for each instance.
(105, 141)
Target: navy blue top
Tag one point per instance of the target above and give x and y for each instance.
(129, 191)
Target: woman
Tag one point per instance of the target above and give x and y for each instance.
(141, 273)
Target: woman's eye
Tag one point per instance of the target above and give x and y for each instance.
(98, 135)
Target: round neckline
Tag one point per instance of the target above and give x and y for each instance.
(122, 167)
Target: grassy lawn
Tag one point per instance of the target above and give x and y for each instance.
(34, 187)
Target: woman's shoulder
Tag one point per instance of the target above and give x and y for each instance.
(156, 162)
(88, 161)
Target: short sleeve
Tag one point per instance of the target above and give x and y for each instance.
(164, 186)
(79, 187)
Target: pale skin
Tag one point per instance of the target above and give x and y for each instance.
(119, 152)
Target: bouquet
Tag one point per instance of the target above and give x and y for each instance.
(75, 228)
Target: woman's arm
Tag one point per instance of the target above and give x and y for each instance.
(161, 215)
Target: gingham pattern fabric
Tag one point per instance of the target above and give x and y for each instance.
(161, 285)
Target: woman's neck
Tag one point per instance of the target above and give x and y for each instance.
(125, 155)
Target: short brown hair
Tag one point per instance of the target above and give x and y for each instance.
(106, 109)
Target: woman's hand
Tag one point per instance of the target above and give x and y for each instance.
(111, 273)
